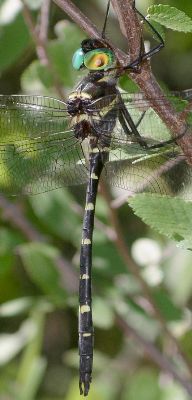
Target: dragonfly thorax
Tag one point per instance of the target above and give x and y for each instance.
(78, 103)
(83, 129)
(89, 106)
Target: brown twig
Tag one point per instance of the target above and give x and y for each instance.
(78, 17)
(40, 39)
(44, 21)
(42, 31)
(13, 213)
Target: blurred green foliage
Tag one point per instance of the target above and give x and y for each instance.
(39, 245)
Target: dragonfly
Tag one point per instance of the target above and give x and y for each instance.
(99, 131)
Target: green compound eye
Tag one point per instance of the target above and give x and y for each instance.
(99, 59)
(78, 59)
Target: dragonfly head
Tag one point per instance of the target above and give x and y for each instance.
(94, 56)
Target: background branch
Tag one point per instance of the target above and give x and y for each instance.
(155, 355)
(39, 36)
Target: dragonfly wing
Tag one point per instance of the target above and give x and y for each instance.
(38, 149)
(166, 174)
(147, 122)
(162, 170)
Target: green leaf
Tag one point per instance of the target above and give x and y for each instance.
(170, 17)
(12, 343)
(40, 261)
(144, 385)
(33, 379)
(106, 257)
(179, 270)
(172, 391)
(186, 343)
(55, 211)
(34, 5)
(39, 78)
(103, 314)
(14, 40)
(36, 79)
(166, 306)
(137, 318)
(32, 366)
(8, 241)
(16, 307)
(127, 84)
(170, 216)
(61, 51)
(185, 244)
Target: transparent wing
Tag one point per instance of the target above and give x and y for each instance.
(146, 120)
(38, 149)
(162, 170)
(166, 175)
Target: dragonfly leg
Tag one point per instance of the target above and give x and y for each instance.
(161, 44)
(86, 330)
(140, 119)
(169, 141)
(105, 21)
(142, 54)
(142, 141)
(129, 127)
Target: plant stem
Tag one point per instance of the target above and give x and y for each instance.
(39, 37)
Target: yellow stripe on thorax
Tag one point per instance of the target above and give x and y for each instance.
(79, 94)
